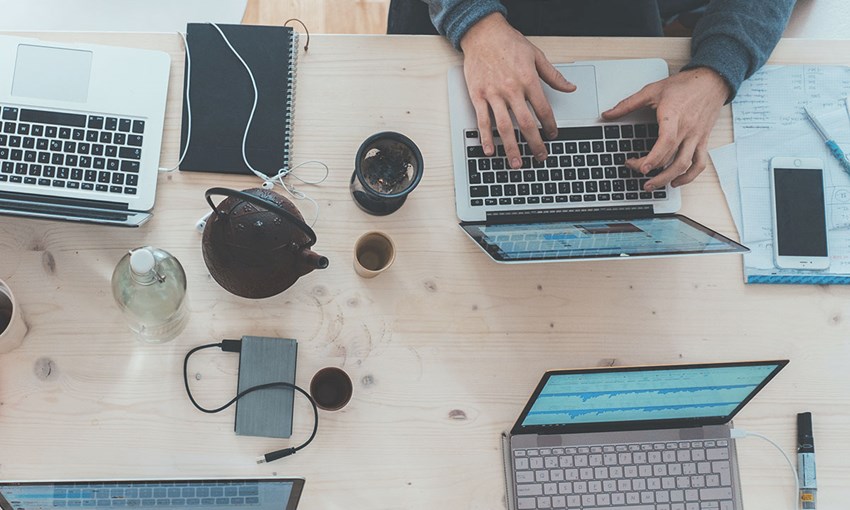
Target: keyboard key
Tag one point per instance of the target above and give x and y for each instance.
(129, 153)
(580, 133)
(10, 113)
(138, 126)
(612, 131)
(55, 118)
(124, 125)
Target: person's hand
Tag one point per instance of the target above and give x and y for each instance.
(687, 105)
(503, 72)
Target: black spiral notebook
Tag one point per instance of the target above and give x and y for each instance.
(221, 96)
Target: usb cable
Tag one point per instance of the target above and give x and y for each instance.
(740, 434)
(236, 346)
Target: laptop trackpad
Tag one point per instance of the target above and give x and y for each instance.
(57, 74)
(581, 104)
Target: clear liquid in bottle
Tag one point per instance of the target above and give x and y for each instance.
(149, 286)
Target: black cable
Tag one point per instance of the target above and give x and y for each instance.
(234, 346)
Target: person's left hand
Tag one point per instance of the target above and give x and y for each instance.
(686, 105)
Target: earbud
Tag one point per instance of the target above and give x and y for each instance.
(202, 223)
(268, 185)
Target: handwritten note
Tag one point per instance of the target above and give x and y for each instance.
(775, 96)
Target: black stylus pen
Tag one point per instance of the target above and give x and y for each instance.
(806, 462)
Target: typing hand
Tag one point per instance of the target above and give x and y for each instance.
(686, 105)
(503, 72)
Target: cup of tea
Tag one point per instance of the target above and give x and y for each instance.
(331, 388)
(374, 253)
(13, 329)
(388, 166)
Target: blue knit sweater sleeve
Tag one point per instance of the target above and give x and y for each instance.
(735, 37)
(453, 18)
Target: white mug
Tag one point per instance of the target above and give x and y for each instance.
(13, 329)
(374, 252)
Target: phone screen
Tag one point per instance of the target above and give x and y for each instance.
(800, 216)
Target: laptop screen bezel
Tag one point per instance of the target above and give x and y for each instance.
(292, 504)
(471, 228)
(518, 428)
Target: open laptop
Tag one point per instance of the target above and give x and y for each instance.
(197, 494)
(642, 438)
(582, 202)
(80, 130)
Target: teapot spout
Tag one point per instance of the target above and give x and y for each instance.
(310, 260)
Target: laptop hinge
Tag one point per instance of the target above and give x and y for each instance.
(56, 206)
(577, 214)
(62, 201)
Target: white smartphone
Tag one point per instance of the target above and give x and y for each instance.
(799, 213)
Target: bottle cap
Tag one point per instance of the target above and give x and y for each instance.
(142, 261)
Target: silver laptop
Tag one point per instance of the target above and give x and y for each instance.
(196, 494)
(637, 438)
(582, 202)
(80, 130)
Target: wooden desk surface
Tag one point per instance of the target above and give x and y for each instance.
(444, 348)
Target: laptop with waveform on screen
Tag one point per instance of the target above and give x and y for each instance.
(632, 438)
(263, 493)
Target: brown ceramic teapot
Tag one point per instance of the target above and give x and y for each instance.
(256, 243)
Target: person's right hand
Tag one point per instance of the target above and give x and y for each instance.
(503, 72)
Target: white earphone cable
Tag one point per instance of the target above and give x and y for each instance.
(188, 107)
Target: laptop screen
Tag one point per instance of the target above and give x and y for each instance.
(261, 494)
(589, 239)
(681, 395)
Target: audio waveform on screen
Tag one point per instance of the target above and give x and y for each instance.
(586, 396)
(647, 411)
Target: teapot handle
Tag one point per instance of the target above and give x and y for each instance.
(265, 204)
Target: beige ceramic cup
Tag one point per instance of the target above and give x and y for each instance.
(374, 252)
(12, 325)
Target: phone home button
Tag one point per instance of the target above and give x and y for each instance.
(797, 162)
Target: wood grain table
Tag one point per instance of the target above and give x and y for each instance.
(444, 348)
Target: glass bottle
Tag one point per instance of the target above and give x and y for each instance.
(149, 286)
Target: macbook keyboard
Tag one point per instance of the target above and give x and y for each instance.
(166, 494)
(646, 476)
(585, 165)
(48, 149)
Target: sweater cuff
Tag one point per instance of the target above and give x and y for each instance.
(467, 14)
(726, 57)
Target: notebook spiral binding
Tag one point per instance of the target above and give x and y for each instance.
(290, 97)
